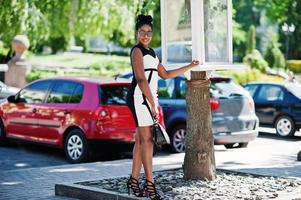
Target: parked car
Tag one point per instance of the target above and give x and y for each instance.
(234, 123)
(6, 91)
(69, 113)
(277, 105)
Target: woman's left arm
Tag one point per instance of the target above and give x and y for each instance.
(176, 72)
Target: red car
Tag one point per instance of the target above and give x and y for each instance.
(69, 113)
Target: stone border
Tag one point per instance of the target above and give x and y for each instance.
(85, 192)
(78, 191)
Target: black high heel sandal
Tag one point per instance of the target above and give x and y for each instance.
(134, 185)
(151, 192)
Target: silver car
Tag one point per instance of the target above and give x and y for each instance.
(6, 91)
(234, 122)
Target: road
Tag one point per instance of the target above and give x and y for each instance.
(16, 155)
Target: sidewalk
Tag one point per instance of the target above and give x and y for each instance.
(39, 183)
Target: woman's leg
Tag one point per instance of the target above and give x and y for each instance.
(146, 141)
(137, 162)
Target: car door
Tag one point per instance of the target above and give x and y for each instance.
(56, 113)
(119, 122)
(268, 102)
(22, 116)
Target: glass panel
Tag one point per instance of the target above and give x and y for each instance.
(270, 93)
(166, 88)
(216, 30)
(77, 95)
(61, 92)
(34, 93)
(226, 88)
(178, 25)
(113, 95)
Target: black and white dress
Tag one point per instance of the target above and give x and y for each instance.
(136, 100)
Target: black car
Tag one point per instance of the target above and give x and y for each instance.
(277, 105)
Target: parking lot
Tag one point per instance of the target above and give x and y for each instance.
(38, 169)
(267, 146)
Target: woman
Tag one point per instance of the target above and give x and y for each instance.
(142, 100)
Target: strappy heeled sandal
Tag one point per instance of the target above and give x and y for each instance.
(133, 185)
(151, 192)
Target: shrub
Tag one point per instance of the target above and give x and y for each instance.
(254, 58)
(274, 56)
(256, 61)
(249, 75)
(294, 65)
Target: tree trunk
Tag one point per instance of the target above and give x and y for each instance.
(199, 162)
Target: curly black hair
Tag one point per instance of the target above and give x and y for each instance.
(142, 20)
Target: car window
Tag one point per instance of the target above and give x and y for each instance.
(166, 88)
(270, 93)
(251, 89)
(181, 92)
(113, 95)
(225, 88)
(34, 93)
(65, 92)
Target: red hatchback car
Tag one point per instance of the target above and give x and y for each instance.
(69, 113)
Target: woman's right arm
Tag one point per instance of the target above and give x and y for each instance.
(137, 62)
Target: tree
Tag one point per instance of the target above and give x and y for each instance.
(54, 22)
(253, 57)
(273, 54)
(251, 45)
(199, 162)
(287, 11)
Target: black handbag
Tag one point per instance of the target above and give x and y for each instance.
(160, 135)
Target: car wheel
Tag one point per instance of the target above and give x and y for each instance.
(2, 132)
(177, 142)
(236, 145)
(76, 147)
(285, 126)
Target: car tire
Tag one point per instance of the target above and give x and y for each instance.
(236, 145)
(76, 147)
(2, 133)
(177, 139)
(285, 126)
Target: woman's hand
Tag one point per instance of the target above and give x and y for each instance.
(194, 63)
(155, 111)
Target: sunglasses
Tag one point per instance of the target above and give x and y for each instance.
(143, 33)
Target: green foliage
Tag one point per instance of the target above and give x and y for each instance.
(4, 53)
(246, 13)
(256, 61)
(254, 58)
(239, 41)
(58, 43)
(42, 20)
(273, 54)
(83, 64)
(294, 65)
(287, 11)
(249, 75)
(251, 45)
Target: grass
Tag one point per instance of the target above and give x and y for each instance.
(78, 60)
(77, 64)
(97, 65)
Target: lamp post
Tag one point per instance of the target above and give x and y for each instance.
(287, 29)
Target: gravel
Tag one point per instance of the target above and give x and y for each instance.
(227, 185)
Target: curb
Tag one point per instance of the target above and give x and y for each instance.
(91, 193)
